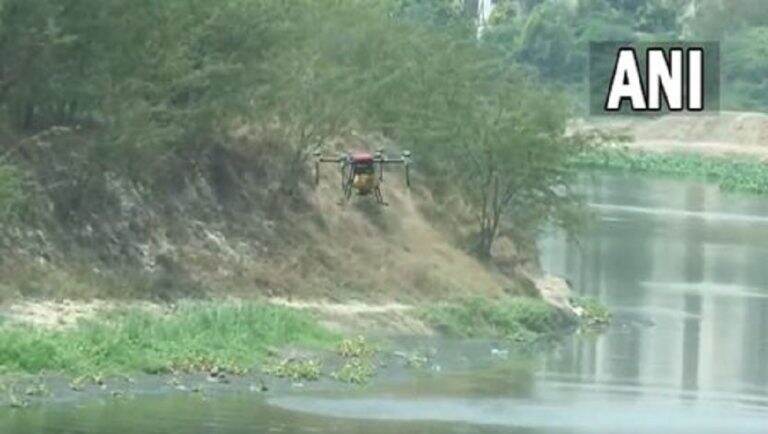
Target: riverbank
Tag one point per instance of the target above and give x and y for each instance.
(250, 341)
(727, 148)
(734, 174)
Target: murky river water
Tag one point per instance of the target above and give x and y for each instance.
(684, 268)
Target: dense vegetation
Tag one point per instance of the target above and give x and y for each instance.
(552, 37)
(519, 319)
(93, 91)
(731, 174)
(193, 338)
(101, 96)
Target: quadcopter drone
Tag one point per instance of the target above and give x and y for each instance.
(359, 171)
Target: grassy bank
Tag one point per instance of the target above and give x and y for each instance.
(195, 337)
(236, 338)
(731, 174)
(519, 319)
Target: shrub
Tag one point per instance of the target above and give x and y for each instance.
(518, 318)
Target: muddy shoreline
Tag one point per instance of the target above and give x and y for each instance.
(399, 359)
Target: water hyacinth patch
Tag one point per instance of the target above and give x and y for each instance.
(731, 174)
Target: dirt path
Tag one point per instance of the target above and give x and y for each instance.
(58, 314)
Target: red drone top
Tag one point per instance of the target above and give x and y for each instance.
(362, 157)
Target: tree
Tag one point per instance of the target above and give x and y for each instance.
(745, 64)
(494, 132)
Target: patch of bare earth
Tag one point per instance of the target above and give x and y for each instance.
(52, 314)
(353, 317)
(719, 134)
(356, 317)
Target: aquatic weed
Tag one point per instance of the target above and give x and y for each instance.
(356, 370)
(358, 347)
(731, 174)
(294, 369)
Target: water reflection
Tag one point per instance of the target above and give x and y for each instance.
(684, 267)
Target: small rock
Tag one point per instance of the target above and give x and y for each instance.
(19, 403)
(218, 378)
(260, 388)
(499, 353)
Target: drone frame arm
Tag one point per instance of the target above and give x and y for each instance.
(405, 160)
(343, 160)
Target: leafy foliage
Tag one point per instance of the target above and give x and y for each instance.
(195, 337)
(552, 37)
(356, 371)
(358, 361)
(358, 347)
(294, 369)
(745, 66)
(158, 83)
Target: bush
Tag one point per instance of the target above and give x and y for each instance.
(517, 318)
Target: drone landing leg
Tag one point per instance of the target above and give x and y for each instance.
(379, 197)
(347, 190)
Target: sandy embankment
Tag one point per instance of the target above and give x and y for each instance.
(723, 134)
(350, 317)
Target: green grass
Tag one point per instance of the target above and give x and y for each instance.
(737, 175)
(521, 319)
(195, 337)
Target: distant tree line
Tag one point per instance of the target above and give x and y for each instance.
(552, 36)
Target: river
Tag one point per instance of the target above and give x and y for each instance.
(683, 267)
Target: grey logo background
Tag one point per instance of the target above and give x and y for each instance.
(602, 61)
